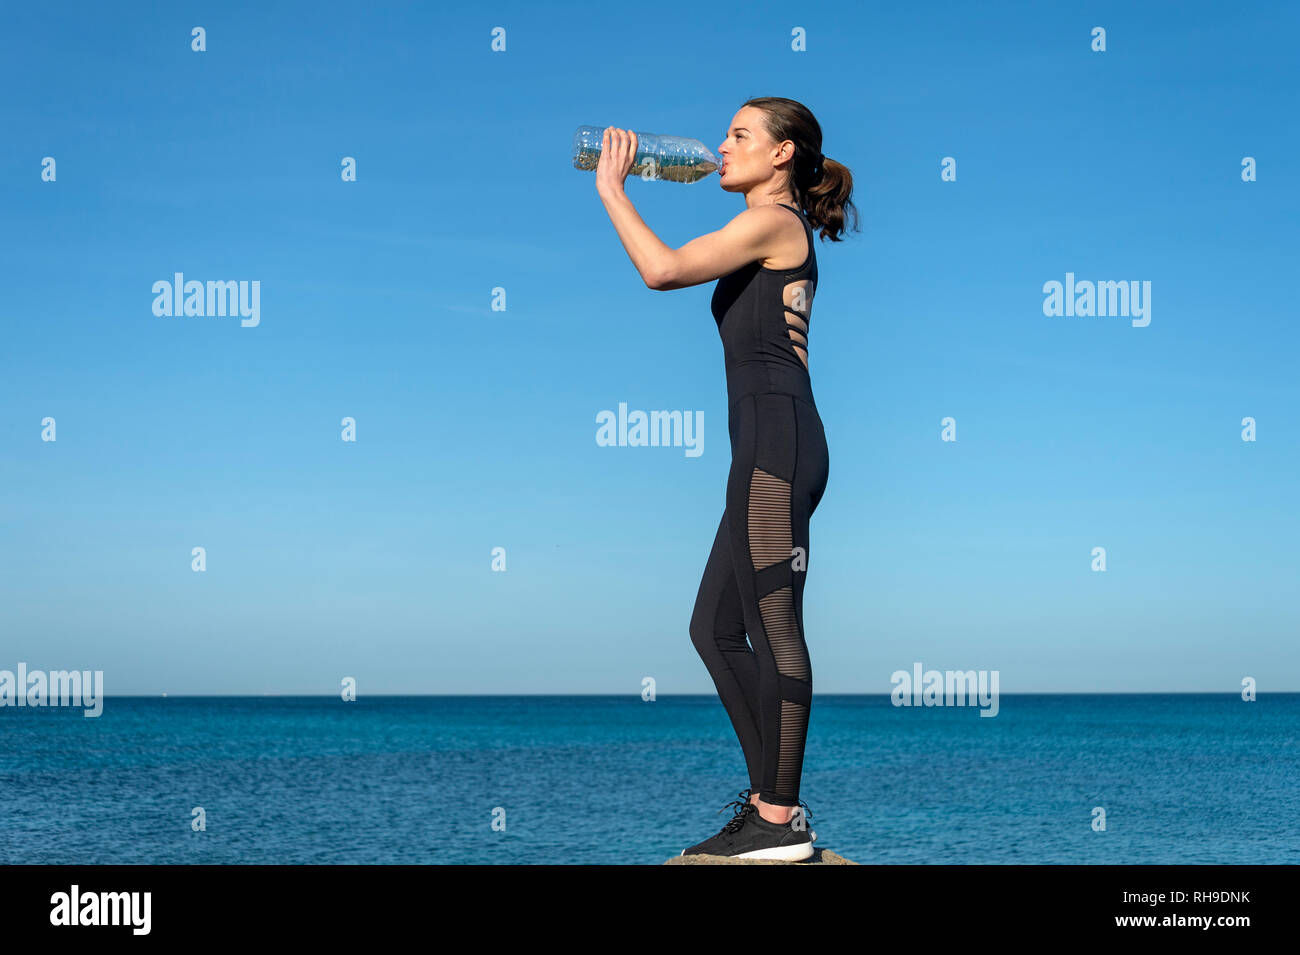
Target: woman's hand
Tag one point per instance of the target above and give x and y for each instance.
(617, 153)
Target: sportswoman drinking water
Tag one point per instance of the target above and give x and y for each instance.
(753, 581)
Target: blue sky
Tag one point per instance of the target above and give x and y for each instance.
(476, 428)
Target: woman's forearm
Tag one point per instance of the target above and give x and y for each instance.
(650, 256)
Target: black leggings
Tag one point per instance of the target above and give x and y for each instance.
(753, 583)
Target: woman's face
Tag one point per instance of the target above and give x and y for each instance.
(747, 152)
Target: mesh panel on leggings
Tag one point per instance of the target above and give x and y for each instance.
(794, 726)
(770, 539)
(783, 636)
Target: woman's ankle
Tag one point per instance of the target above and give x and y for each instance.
(775, 814)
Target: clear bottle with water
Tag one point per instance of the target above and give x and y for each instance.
(670, 158)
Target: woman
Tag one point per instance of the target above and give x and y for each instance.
(754, 579)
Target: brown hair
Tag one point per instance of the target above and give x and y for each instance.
(822, 187)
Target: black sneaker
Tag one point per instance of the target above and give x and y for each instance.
(749, 836)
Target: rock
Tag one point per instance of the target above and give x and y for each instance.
(819, 857)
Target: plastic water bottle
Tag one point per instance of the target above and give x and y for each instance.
(670, 158)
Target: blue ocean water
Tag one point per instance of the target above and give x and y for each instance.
(1183, 778)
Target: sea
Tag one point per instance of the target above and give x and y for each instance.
(573, 780)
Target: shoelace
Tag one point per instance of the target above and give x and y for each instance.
(743, 808)
(740, 818)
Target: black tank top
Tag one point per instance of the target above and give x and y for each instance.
(749, 307)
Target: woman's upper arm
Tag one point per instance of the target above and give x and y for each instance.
(744, 239)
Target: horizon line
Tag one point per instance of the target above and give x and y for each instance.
(161, 695)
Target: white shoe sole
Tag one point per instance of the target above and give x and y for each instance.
(796, 853)
(781, 854)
